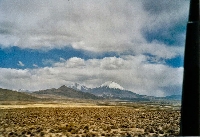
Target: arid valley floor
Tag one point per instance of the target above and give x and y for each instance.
(81, 119)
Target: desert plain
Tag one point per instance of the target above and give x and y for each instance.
(83, 119)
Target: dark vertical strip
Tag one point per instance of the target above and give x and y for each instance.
(190, 114)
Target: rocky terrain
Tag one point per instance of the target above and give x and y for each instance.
(88, 122)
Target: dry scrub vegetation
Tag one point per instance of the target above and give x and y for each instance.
(88, 122)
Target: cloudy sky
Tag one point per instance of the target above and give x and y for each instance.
(137, 43)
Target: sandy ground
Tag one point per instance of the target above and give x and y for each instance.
(60, 105)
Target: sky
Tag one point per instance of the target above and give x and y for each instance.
(138, 44)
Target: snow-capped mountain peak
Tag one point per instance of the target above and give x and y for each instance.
(112, 84)
(22, 90)
(78, 86)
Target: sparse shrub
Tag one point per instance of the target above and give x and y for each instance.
(69, 128)
(67, 134)
(133, 126)
(166, 135)
(23, 133)
(147, 130)
(176, 134)
(124, 125)
(108, 135)
(113, 127)
(108, 129)
(28, 132)
(155, 135)
(86, 127)
(90, 134)
(38, 130)
(151, 130)
(83, 135)
(104, 127)
(115, 132)
(74, 131)
(32, 135)
(170, 131)
(12, 134)
(140, 135)
(129, 134)
(42, 134)
(123, 134)
(146, 134)
(86, 131)
(161, 132)
(111, 118)
(52, 131)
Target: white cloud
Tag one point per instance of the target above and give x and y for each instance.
(62, 60)
(48, 61)
(75, 62)
(34, 65)
(103, 25)
(20, 64)
(97, 26)
(131, 72)
(165, 13)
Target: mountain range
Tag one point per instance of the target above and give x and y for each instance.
(108, 84)
(112, 90)
(108, 90)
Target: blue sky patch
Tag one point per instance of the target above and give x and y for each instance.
(15, 57)
(169, 36)
(10, 57)
(173, 62)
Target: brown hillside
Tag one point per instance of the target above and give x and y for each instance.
(9, 95)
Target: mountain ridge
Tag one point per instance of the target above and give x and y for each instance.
(78, 86)
(111, 93)
(10, 95)
(112, 90)
(67, 92)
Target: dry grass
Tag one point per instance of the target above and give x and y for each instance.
(88, 122)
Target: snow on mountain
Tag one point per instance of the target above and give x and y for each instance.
(113, 90)
(78, 86)
(111, 84)
(22, 90)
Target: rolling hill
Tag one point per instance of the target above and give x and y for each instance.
(9, 95)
